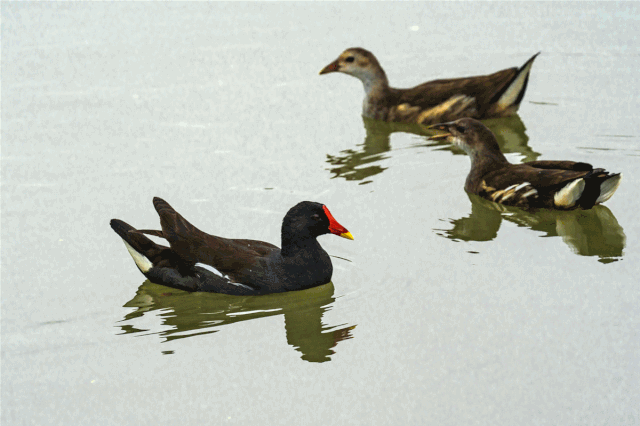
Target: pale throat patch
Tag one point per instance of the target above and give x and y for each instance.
(459, 142)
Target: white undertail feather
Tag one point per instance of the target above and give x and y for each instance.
(568, 195)
(141, 260)
(608, 188)
(510, 95)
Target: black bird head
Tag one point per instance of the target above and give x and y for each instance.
(310, 219)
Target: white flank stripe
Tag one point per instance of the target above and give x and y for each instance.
(506, 197)
(244, 286)
(212, 269)
(141, 260)
(530, 192)
(522, 186)
(218, 273)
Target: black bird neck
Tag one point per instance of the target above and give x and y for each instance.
(294, 243)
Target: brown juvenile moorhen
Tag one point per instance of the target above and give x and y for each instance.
(485, 96)
(197, 261)
(561, 185)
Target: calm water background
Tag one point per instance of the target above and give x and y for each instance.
(444, 310)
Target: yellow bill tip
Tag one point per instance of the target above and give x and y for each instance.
(347, 235)
(440, 136)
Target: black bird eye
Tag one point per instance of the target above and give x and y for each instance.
(316, 217)
(350, 59)
(461, 129)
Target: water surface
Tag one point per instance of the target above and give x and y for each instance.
(445, 309)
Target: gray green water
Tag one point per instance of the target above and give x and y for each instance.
(444, 310)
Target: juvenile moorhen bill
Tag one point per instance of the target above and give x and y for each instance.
(197, 261)
(562, 185)
(486, 96)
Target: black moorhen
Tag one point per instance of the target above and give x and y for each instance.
(561, 185)
(485, 96)
(197, 261)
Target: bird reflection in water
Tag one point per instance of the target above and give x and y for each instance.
(185, 314)
(593, 232)
(362, 163)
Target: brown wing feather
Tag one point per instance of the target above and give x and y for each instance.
(563, 165)
(148, 232)
(546, 182)
(193, 245)
(482, 88)
(541, 179)
(453, 108)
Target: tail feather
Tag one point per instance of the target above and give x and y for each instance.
(151, 232)
(162, 206)
(513, 93)
(142, 262)
(137, 244)
(569, 195)
(132, 236)
(174, 226)
(609, 187)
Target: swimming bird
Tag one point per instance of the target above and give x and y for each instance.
(197, 261)
(486, 96)
(562, 185)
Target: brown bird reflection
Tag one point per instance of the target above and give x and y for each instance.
(363, 162)
(593, 232)
(185, 314)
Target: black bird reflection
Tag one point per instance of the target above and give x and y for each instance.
(593, 232)
(362, 163)
(187, 314)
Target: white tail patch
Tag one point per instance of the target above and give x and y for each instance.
(141, 260)
(608, 188)
(568, 195)
(510, 96)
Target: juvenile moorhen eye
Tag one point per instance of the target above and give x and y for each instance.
(460, 129)
(350, 59)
